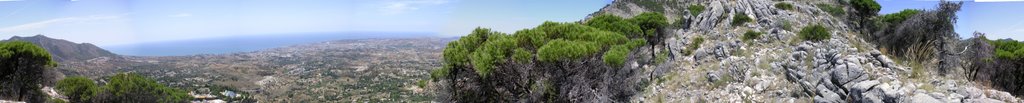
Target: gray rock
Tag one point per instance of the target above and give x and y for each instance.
(712, 77)
(924, 98)
(985, 100)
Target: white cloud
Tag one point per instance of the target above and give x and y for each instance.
(57, 21)
(402, 6)
(181, 15)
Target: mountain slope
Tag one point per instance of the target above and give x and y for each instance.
(738, 51)
(63, 50)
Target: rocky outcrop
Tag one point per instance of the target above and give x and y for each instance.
(781, 67)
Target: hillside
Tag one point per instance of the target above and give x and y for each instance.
(63, 50)
(725, 51)
(371, 70)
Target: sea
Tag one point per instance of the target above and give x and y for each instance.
(224, 45)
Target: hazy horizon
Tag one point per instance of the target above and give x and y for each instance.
(117, 24)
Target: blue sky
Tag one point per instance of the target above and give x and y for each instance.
(125, 22)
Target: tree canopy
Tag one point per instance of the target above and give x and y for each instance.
(22, 65)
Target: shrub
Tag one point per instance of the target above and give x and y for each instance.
(693, 45)
(866, 7)
(636, 43)
(78, 89)
(531, 38)
(661, 57)
(495, 50)
(696, 9)
(130, 87)
(899, 17)
(650, 5)
(739, 19)
(421, 83)
(560, 49)
(522, 55)
(835, 11)
(616, 56)
(784, 6)
(439, 73)
(815, 33)
(650, 20)
(751, 35)
(615, 24)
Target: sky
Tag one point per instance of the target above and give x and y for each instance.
(125, 22)
(998, 19)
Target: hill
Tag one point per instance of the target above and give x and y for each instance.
(63, 50)
(721, 51)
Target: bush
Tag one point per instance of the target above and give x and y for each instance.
(522, 55)
(616, 56)
(615, 24)
(134, 88)
(899, 17)
(815, 33)
(784, 6)
(739, 19)
(560, 49)
(751, 35)
(693, 45)
(439, 73)
(636, 43)
(491, 52)
(866, 7)
(531, 38)
(696, 9)
(835, 11)
(650, 20)
(78, 89)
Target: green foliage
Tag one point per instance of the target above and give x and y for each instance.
(751, 35)
(650, 5)
(616, 56)
(815, 33)
(130, 87)
(739, 19)
(693, 45)
(650, 21)
(835, 11)
(531, 37)
(421, 83)
(522, 55)
(439, 73)
(661, 57)
(493, 51)
(455, 52)
(560, 49)
(866, 7)
(636, 43)
(696, 9)
(1008, 49)
(784, 6)
(899, 17)
(22, 65)
(78, 89)
(615, 24)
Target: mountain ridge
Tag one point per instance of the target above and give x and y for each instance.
(64, 50)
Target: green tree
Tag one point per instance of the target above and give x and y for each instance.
(22, 65)
(616, 56)
(560, 49)
(866, 8)
(78, 89)
(651, 22)
(134, 88)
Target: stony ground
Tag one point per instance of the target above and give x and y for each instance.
(781, 67)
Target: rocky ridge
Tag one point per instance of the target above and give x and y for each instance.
(779, 66)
